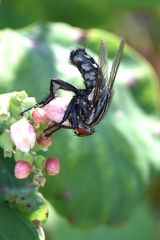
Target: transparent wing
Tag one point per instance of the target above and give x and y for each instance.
(102, 76)
(103, 63)
(115, 65)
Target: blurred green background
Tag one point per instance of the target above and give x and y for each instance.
(138, 22)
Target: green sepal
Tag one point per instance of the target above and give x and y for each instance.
(6, 144)
(23, 156)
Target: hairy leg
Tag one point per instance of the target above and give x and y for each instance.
(70, 115)
(55, 85)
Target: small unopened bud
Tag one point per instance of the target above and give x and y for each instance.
(44, 141)
(52, 166)
(22, 169)
(39, 115)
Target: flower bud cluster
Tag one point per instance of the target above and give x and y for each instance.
(23, 168)
(25, 135)
(28, 136)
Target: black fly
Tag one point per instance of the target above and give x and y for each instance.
(88, 106)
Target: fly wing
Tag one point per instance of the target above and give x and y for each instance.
(115, 65)
(103, 64)
(102, 76)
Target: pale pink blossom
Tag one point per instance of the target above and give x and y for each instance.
(23, 135)
(22, 169)
(56, 108)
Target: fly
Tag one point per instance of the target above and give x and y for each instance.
(89, 105)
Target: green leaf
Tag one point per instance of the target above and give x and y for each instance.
(141, 225)
(15, 226)
(103, 177)
(43, 53)
(6, 144)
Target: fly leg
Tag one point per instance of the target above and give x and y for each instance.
(55, 85)
(67, 116)
(55, 128)
(60, 84)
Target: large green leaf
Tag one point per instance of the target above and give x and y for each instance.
(141, 225)
(32, 56)
(105, 176)
(14, 226)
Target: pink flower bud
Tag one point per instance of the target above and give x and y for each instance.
(44, 141)
(56, 108)
(39, 115)
(52, 166)
(23, 135)
(22, 169)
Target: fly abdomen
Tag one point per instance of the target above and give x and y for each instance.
(86, 65)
